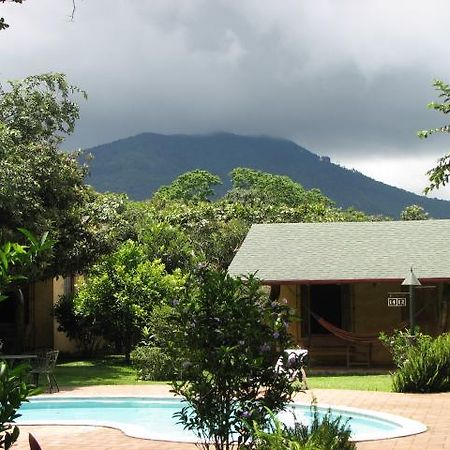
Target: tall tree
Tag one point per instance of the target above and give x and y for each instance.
(120, 292)
(16, 259)
(414, 212)
(195, 186)
(41, 187)
(216, 228)
(439, 175)
(254, 186)
(227, 337)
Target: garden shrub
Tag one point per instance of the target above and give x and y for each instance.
(150, 356)
(152, 363)
(324, 433)
(423, 362)
(13, 391)
(272, 438)
(118, 294)
(80, 327)
(402, 341)
(228, 337)
(160, 325)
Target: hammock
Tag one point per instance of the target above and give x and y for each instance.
(349, 336)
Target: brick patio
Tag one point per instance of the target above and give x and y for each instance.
(431, 409)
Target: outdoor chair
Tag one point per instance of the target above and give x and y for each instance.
(45, 365)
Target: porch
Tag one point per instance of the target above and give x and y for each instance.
(339, 323)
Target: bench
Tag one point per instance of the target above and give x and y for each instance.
(323, 348)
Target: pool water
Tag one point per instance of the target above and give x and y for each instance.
(152, 417)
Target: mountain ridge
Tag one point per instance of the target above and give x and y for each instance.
(140, 164)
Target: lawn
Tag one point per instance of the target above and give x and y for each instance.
(112, 370)
(354, 382)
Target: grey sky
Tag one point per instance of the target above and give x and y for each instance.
(345, 78)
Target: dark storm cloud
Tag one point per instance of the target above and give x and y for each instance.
(340, 77)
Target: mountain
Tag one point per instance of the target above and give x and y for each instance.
(139, 165)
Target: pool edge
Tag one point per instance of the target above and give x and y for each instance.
(409, 427)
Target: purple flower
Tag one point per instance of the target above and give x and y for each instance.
(276, 335)
(175, 302)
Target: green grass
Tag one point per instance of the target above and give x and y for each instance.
(113, 370)
(353, 382)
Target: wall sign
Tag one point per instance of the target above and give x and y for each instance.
(396, 302)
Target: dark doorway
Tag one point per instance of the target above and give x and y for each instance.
(326, 301)
(12, 325)
(8, 309)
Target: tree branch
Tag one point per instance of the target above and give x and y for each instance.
(74, 7)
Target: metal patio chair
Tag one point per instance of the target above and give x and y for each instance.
(45, 365)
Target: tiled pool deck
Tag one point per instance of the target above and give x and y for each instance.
(431, 409)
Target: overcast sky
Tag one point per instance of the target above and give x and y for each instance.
(345, 78)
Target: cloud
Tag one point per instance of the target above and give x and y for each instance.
(347, 78)
(407, 172)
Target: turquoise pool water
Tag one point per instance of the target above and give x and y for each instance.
(152, 418)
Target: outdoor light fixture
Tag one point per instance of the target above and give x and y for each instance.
(412, 281)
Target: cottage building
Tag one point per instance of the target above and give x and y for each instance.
(27, 321)
(344, 281)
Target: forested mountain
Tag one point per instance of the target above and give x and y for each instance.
(139, 165)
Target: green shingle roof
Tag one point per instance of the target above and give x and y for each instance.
(345, 251)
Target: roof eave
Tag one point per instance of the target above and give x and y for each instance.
(352, 281)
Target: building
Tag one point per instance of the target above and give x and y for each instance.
(26, 317)
(351, 274)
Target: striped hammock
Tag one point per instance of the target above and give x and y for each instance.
(355, 338)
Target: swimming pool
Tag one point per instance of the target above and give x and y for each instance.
(151, 417)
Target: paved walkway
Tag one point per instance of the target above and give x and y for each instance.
(431, 409)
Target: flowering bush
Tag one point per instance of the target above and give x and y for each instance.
(229, 336)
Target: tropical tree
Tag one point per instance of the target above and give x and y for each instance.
(120, 291)
(14, 390)
(253, 186)
(98, 226)
(16, 258)
(414, 212)
(215, 229)
(195, 186)
(439, 175)
(168, 243)
(43, 188)
(228, 336)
